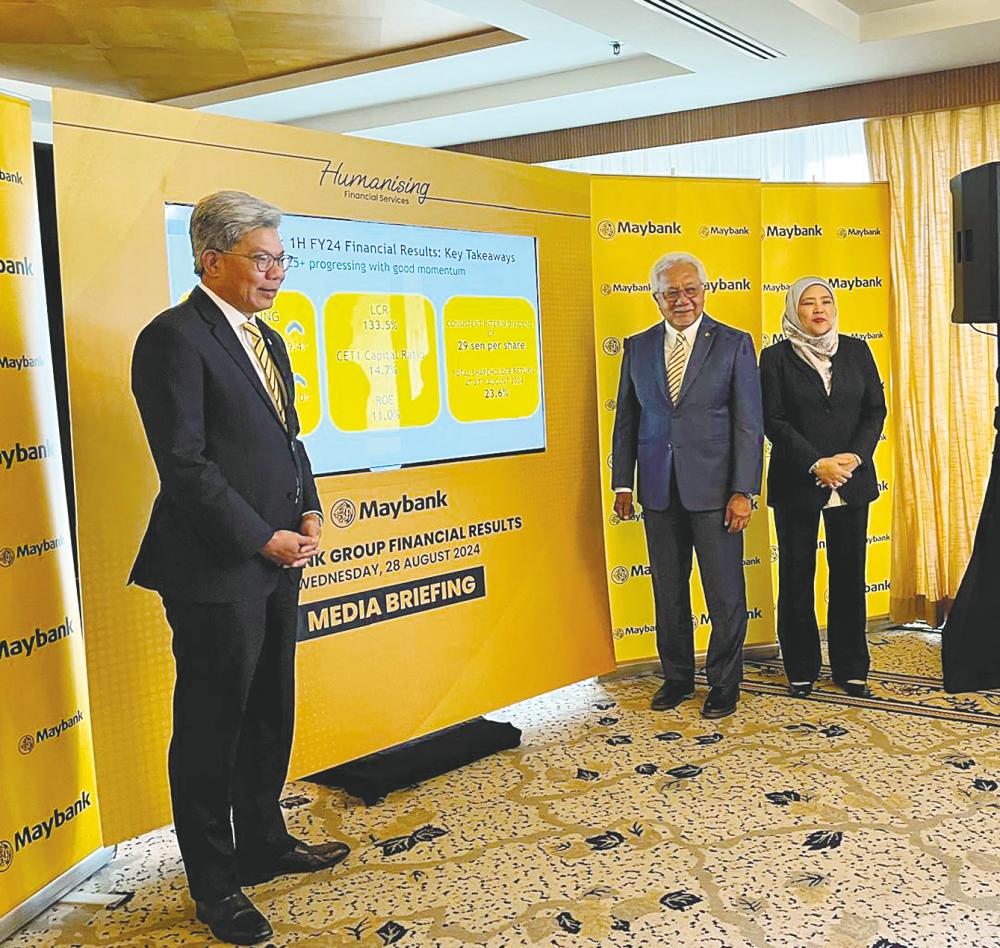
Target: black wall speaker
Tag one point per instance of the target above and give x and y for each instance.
(976, 244)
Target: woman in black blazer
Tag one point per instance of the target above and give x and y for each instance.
(824, 408)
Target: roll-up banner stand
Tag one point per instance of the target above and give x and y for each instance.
(50, 831)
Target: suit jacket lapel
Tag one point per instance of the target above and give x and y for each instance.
(834, 371)
(223, 332)
(699, 353)
(810, 373)
(658, 358)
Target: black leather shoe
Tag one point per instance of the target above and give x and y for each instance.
(234, 920)
(855, 689)
(720, 703)
(300, 858)
(800, 689)
(671, 694)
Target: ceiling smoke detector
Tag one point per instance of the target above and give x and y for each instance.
(714, 28)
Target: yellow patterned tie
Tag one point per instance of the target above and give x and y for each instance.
(675, 366)
(275, 387)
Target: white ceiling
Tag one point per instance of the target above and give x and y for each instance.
(876, 6)
(564, 73)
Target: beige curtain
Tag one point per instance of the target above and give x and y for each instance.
(944, 384)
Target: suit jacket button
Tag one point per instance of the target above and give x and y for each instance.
(291, 495)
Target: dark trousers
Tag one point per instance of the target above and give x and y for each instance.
(234, 711)
(671, 535)
(798, 632)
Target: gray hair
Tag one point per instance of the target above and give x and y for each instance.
(671, 260)
(221, 220)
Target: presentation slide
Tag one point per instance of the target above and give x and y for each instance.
(409, 345)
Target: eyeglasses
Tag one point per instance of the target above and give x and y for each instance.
(264, 261)
(674, 294)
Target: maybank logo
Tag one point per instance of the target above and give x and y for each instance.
(20, 454)
(648, 228)
(703, 618)
(44, 829)
(844, 232)
(637, 517)
(608, 288)
(394, 509)
(19, 363)
(622, 574)
(795, 230)
(29, 742)
(39, 639)
(722, 285)
(10, 556)
(343, 513)
(22, 267)
(714, 230)
(11, 177)
(628, 630)
(855, 283)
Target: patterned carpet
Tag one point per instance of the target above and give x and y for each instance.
(905, 677)
(793, 823)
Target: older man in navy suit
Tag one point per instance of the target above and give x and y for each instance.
(689, 414)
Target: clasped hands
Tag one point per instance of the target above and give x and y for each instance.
(292, 550)
(834, 472)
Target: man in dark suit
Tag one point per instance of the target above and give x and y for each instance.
(236, 518)
(689, 414)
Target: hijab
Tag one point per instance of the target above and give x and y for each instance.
(815, 351)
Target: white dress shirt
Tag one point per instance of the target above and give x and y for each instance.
(236, 319)
(670, 339)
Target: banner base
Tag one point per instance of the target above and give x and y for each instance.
(55, 890)
(374, 777)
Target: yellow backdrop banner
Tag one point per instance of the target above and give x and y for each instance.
(48, 802)
(634, 221)
(840, 233)
(382, 659)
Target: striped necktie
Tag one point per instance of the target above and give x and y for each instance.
(676, 365)
(275, 387)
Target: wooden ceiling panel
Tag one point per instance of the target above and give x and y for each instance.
(354, 9)
(37, 63)
(134, 28)
(334, 37)
(37, 21)
(163, 49)
(186, 69)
